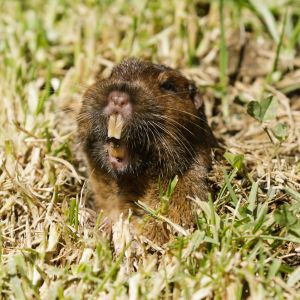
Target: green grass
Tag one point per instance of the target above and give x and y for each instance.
(247, 241)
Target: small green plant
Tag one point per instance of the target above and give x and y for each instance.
(286, 215)
(281, 131)
(266, 110)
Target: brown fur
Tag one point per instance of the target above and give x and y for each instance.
(167, 135)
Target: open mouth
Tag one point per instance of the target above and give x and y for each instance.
(116, 149)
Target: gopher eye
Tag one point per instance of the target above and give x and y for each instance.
(169, 86)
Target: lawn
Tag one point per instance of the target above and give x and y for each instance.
(244, 56)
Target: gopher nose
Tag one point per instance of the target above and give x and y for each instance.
(118, 103)
(117, 98)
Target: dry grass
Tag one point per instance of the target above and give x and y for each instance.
(247, 244)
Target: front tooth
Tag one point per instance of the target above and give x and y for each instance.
(119, 126)
(111, 126)
(115, 126)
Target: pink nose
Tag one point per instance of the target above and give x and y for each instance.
(118, 98)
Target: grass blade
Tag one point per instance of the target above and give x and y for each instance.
(223, 62)
(262, 9)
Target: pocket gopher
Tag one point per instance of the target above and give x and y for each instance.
(143, 123)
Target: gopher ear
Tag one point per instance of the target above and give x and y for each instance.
(195, 96)
(198, 100)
